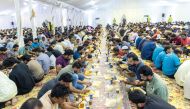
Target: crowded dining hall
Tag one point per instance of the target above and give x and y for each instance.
(94, 54)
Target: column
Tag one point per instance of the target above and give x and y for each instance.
(19, 22)
(62, 18)
(53, 20)
(32, 19)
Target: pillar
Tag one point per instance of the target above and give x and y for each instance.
(19, 22)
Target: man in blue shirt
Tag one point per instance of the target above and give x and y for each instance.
(65, 79)
(159, 48)
(35, 44)
(171, 63)
(77, 54)
(43, 59)
(147, 49)
(160, 57)
(138, 40)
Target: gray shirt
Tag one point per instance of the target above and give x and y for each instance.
(67, 69)
(157, 87)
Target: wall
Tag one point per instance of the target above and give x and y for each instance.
(134, 10)
(42, 12)
(5, 22)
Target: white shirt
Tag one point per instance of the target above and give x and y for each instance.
(68, 44)
(47, 104)
(59, 48)
(8, 88)
(53, 60)
(187, 86)
(182, 72)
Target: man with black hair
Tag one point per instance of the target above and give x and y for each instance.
(32, 103)
(65, 79)
(142, 101)
(10, 44)
(13, 52)
(134, 64)
(20, 74)
(43, 59)
(64, 59)
(154, 84)
(147, 49)
(77, 54)
(34, 67)
(171, 63)
(160, 57)
(57, 46)
(3, 54)
(35, 43)
(57, 96)
(118, 52)
(78, 79)
(56, 53)
(159, 48)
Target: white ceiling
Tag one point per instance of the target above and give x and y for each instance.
(7, 5)
(86, 4)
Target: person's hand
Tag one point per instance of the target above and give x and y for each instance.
(88, 84)
(52, 71)
(85, 91)
(38, 84)
(125, 81)
(136, 82)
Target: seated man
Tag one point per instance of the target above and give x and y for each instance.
(185, 41)
(135, 64)
(52, 59)
(125, 50)
(75, 69)
(140, 45)
(138, 40)
(13, 52)
(43, 59)
(159, 59)
(56, 53)
(77, 54)
(171, 63)
(8, 89)
(143, 101)
(32, 103)
(154, 84)
(57, 97)
(63, 60)
(182, 72)
(3, 54)
(147, 49)
(35, 43)
(34, 67)
(118, 52)
(20, 74)
(65, 79)
(187, 86)
(159, 48)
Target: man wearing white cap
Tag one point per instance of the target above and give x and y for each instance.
(125, 50)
